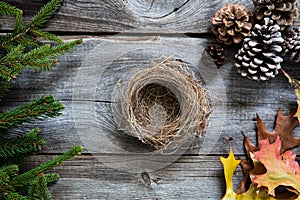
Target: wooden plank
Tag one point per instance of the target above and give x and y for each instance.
(128, 16)
(180, 16)
(190, 177)
(86, 78)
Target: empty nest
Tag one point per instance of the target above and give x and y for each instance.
(164, 105)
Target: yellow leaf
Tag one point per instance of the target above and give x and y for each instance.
(296, 84)
(255, 194)
(229, 164)
(297, 114)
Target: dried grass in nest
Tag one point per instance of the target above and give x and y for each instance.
(164, 105)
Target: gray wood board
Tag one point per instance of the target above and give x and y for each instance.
(86, 79)
(106, 16)
(190, 177)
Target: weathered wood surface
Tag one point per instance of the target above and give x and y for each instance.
(85, 81)
(106, 16)
(128, 16)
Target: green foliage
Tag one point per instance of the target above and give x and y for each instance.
(20, 147)
(38, 188)
(34, 181)
(28, 46)
(23, 47)
(26, 178)
(44, 106)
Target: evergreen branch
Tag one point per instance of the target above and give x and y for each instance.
(38, 20)
(45, 35)
(15, 196)
(21, 147)
(44, 106)
(6, 9)
(43, 58)
(24, 179)
(10, 65)
(38, 188)
(45, 13)
(4, 87)
(13, 37)
(28, 43)
(51, 178)
(40, 58)
(6, 172)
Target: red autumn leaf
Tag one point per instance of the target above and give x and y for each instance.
(281, 169)
(284, 126)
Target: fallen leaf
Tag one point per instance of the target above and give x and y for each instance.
(297, 114)
(284, 126)
(281, 169)
(229, 164)
(296, 84)
(255, 194)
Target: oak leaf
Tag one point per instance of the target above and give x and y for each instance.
(281, 169)
(230, 164)
(284, 126)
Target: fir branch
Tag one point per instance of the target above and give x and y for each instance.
(43, 58)
(36, 32)
(6, 9)
(39, 59)
(38, 188)
(52, 177)
(45, 13)
(6, 172)
(20, 147)
(24, 179)
(37, 109)
(13, 37)
(15, 196)
(9, 171)
(4, 88)
(37, 21)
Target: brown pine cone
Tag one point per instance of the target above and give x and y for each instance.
(292, 45)
(217, 54)
(232, 23)
(284, 12)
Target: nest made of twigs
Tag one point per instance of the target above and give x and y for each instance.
(164, 105)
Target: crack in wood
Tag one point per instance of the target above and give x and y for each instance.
(165, 15)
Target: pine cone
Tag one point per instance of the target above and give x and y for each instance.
(232, 23)
(292, 45)
(284, 12)
(217, 54)
(258, 58)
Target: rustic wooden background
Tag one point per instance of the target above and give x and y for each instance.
(120, 35)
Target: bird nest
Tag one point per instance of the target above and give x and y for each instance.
(163, 106)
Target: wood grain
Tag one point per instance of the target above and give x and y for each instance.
(106, 16)
(190, 177)
(86, 78)
(87, 81)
